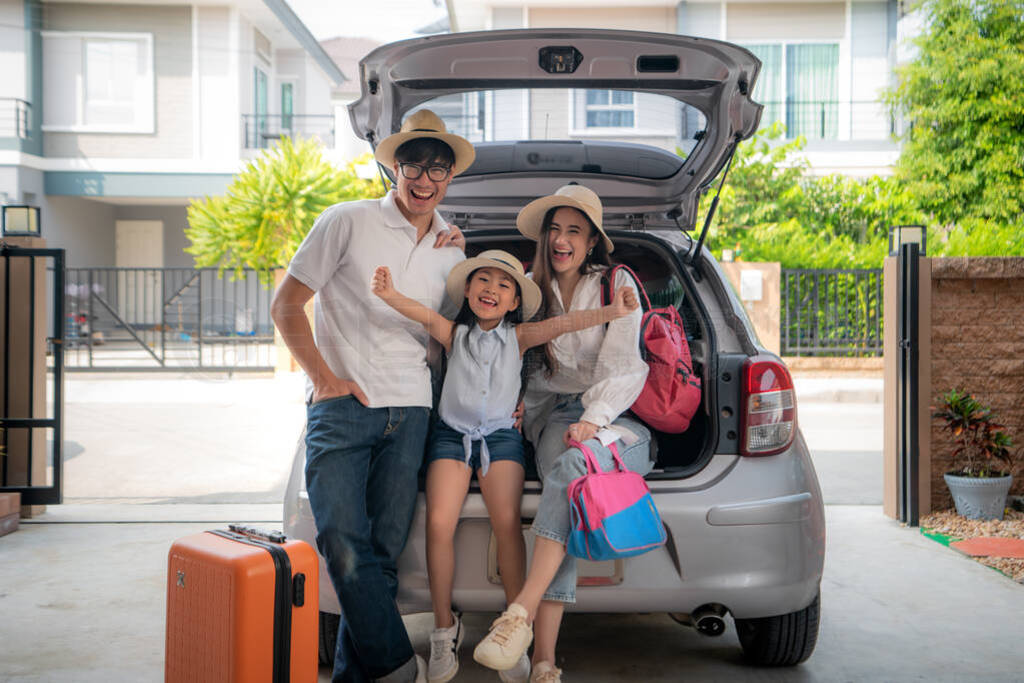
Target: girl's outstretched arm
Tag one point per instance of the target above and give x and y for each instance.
(439, 327)
(535, 334)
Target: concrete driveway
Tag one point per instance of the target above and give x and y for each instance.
(82, 587)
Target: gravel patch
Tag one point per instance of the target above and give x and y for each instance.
(957, 528)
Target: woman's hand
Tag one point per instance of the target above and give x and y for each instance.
(580, 431)
(381, 284)
(452, 237)
(624, 302)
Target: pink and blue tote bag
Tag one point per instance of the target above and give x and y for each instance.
(612, 514)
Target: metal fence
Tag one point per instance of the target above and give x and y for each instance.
(167, 318)
(832, 312)
(15, 118)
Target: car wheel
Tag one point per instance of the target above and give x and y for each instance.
(328, 636)
(783, 640)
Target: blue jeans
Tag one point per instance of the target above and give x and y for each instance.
(559, 466)
(361, 466)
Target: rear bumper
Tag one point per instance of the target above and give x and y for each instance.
(760, 554)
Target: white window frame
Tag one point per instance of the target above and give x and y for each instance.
(843, 104)
(610, 131)
(145, 121)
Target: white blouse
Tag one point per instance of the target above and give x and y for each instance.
(602, 364)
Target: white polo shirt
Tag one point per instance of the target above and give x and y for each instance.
(360, 337)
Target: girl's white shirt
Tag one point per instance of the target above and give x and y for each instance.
(604, 365)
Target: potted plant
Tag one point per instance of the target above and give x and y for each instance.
(982, 462)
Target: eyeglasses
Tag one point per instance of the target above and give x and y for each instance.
(414, 171)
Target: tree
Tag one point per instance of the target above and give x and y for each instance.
(963, 97)
(771, 211)
(269, 207)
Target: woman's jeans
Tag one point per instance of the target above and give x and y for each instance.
(558, 467)
(361, 467)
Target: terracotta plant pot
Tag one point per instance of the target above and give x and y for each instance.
(979, 497)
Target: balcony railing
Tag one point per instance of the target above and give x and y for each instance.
(15, 121)
(827, 119)
(261, 130)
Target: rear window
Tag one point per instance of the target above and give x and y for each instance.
(666, 128)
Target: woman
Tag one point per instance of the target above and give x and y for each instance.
(589, 379)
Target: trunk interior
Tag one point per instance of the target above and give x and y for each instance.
(655, 263)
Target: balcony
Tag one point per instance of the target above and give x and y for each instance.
(259, 131)
(15, 118)
(858, 120)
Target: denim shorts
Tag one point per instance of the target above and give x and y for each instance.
(502, 444)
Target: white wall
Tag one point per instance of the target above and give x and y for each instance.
(12, 53)
(870, 70)
(218, 86)
(171, 27)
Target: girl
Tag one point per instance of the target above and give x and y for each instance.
(485, 345)
(591, 379)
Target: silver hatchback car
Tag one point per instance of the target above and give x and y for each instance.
(737, 491)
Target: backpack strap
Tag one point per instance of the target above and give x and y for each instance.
(608, 282)
(592, 465)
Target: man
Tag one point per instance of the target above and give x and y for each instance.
(368, 392)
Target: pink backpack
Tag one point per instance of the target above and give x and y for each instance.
(671, 395)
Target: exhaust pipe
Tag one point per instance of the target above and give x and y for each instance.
(709, 620)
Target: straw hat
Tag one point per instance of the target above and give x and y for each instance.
(495, 258)
(426, 124)
(586, 200)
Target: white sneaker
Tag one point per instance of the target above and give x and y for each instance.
(444, 652)
(520, 673)
(545, 672)
(507, 640)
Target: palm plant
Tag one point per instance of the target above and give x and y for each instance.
(270, 206)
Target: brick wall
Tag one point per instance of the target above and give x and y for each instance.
(977, 344)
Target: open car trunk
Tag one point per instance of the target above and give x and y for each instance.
(668, 282)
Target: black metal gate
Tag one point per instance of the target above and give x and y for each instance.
(831, 312)
(174, 319)
(32, 403)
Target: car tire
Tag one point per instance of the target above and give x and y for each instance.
(783, 640)
(328, 636)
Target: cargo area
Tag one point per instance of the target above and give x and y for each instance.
(668, 282)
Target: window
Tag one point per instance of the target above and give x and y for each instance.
(259, 104)
(610, 109)
(98, 82)
(799, 85)
(287, 106)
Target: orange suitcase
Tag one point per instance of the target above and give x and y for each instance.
(241, 608)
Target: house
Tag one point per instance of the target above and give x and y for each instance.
(824, 65)
(114, 115)
(346, 53)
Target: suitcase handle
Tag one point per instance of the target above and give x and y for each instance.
(253, 532)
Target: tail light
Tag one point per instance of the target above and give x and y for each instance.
(769, 407)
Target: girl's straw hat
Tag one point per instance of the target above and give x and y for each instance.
(426, 124)
(495, 258)
(586, 200)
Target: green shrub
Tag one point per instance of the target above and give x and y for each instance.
(269, 208)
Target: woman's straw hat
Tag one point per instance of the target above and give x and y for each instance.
(586, 200)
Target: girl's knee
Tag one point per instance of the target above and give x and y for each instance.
(507, 523)
(441, 526)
